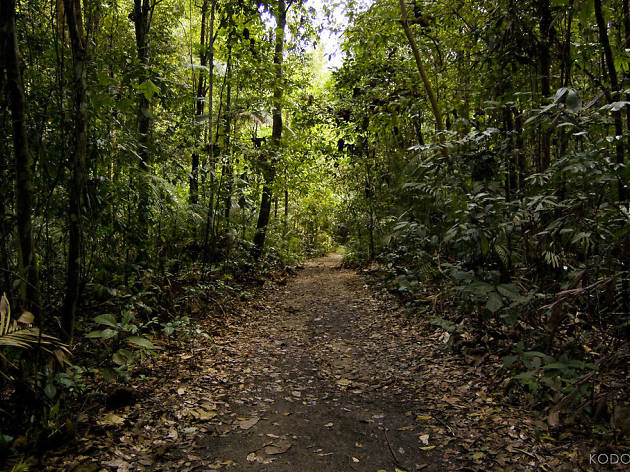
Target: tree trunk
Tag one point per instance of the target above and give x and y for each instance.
(614, 85)
(510, 155)
(544, 56)
(203, 57)
(521, 159)
(439, 125)
(566, 53)
(276, 132)
(79, 168)
(142, 14)
(27, 261)
(626, 23)
(227, 172)
(210, 214)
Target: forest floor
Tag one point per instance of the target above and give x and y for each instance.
(319, 373)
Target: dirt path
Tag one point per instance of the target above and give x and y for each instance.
(320, 375)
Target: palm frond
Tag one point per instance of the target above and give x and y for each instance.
(22, 334)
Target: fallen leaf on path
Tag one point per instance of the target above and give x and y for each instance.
(424, 439)
(329, 425)
(427, 448)
(344, 382)
(203, 415)
(111, 419)
(246, 424)
(423, 417)
(278, 447)
(354, 459)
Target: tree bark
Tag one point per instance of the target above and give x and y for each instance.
(142, 14)
(79, 167)
(626, 24)
(276, 132)
(227, 131)
(614, 85)
(439, 125)
(29, 298)
(544, 56)
(203, 58)
(210, 214)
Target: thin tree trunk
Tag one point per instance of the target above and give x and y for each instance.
(79, 168)
(230, 182)
(227, 130)
(27, 260)
(521, 160)
(5, 191)
(567, 60)
(142, 13)
(614, 85)
(210, 214)
(203, 57)
(626, 23)
(510, 155)
(544, 56)
(439, 125)
(285, 221)
(276, 131)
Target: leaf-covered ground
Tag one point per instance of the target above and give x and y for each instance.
(317, 374)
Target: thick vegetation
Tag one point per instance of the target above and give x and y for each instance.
(158, 153)
(488, 175)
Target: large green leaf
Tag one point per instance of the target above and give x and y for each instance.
(494, 302)
(107, 319)
(148, 89)
(104, 334)
(140, 341)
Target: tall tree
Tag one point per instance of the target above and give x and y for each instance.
(614, 85)
(74, 18)
(543, 8)
(439, 124)
(199, 100)
(269, 170)
(227, 132)
(11, 63)
(142, 17)
(210, 143)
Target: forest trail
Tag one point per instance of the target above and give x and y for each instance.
(320, 374)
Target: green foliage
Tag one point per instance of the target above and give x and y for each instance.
(558, 379)
(473, 226)
(511, 224)
(123, 340)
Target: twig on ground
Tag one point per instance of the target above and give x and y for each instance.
(391, 450)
